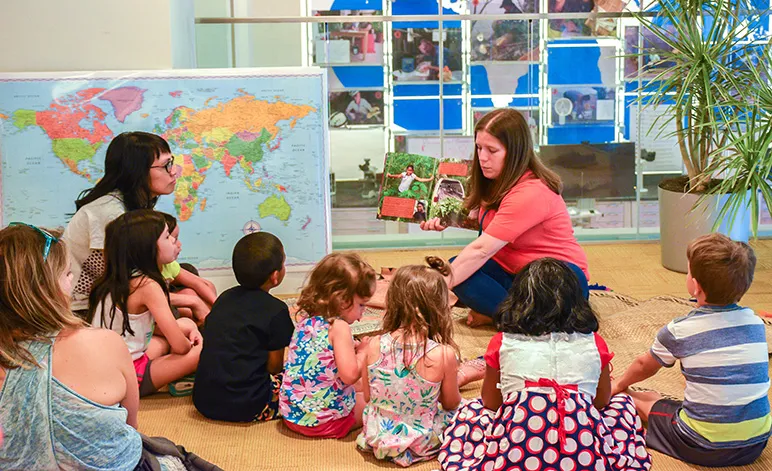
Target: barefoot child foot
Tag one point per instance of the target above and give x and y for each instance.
(470, 371)
(475, 319)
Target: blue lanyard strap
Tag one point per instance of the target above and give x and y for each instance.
(482, 220)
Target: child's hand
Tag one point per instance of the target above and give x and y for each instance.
(195, 337)
(360, 345)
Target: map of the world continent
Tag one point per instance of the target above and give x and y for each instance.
(249, 150)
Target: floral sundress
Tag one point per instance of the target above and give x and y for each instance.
(403, 422)
(311, 391)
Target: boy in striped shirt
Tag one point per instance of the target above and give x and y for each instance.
(724, 419)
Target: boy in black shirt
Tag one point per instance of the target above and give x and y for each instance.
(239, 372)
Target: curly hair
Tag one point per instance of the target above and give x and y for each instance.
(334, 282)
(417, 304)
(546, 297)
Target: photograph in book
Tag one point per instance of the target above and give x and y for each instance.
(417, 187)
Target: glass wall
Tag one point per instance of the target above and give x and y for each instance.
(415, 76)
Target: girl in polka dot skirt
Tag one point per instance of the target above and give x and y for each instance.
(545, 398)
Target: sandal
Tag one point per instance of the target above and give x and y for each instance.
(183, 386)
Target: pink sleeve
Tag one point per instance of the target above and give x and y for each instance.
(523, 207)
(605, 355)
(492, 354)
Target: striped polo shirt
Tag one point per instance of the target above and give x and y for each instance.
(724, 359)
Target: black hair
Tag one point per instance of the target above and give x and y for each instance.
(546, 297)
(171, 221)
(131, 250)
(255, 257)
(410, 166)
(127, 169)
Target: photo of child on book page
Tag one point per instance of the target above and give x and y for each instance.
(416, 188)
(407, 179)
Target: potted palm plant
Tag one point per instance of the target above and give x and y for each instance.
(711, 69)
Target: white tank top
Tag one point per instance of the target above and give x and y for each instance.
(142, 325)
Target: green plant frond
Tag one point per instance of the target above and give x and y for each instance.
(746, 163)
(715, 74)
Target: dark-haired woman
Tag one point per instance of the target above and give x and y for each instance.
(545, 396)
(521, 214)
(139, 168)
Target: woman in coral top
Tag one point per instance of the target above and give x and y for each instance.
(522, 216)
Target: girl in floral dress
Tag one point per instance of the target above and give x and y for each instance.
(545, 398)
(411, 369)
(317, 397)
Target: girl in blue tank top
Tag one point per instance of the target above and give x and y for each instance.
(77, 414)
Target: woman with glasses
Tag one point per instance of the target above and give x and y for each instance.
(139, 168)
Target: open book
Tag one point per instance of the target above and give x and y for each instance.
(416, 188)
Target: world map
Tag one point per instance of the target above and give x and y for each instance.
(249, 152)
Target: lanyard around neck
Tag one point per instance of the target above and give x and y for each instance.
(482, 220)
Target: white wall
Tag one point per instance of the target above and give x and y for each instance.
(55, 35)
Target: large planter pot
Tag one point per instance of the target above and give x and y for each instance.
(679, 224)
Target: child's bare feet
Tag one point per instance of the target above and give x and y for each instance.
(471, 371)
(475, 319)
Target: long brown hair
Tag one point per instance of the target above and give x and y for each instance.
(511, 129)
(32, 304)
(417, 304)
(131, 250)
(333, 283)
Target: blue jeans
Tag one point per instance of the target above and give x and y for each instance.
(488, 287)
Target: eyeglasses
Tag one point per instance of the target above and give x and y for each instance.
(49, 238)
(169, 165)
